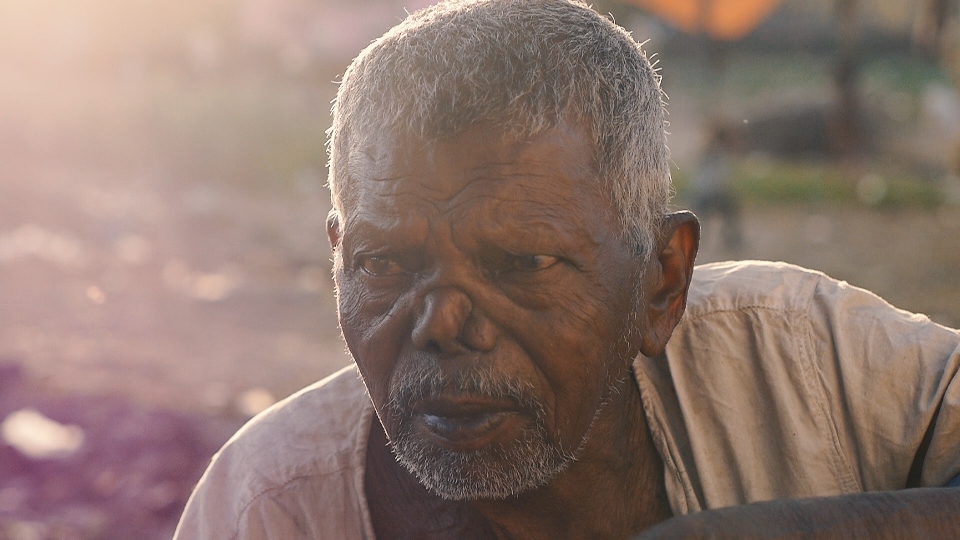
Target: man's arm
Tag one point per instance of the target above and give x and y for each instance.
(929, 513)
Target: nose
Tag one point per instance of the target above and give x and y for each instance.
(448, 323)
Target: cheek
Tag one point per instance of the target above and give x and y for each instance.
(582, 324)
(558, 344)
(374, 332)
(577, 346)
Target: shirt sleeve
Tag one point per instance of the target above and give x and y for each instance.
(294, 471)
(890, 380)
(265, 518)
(318, 506)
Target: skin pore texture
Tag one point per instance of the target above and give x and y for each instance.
(494, 308)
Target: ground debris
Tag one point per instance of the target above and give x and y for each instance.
(129, 478)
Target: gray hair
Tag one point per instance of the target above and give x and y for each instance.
(524, 66)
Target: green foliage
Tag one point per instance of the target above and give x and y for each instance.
(900, 73)
(787, 182)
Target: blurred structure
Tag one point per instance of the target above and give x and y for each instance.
(711, 193)
(937, 33)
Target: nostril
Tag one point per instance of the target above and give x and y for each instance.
(432, 347)
(440, 321)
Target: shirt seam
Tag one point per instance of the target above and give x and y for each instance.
(842, 467)
(361, 448)
(658, 431)
(740, 309)
(276, 489)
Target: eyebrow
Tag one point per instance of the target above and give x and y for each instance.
(361, 231)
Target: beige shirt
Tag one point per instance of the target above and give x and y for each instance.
(779, 382)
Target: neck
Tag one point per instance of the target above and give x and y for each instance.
(615, 488)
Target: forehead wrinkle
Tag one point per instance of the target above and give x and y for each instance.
(440, 178)
(382, 213)
(533, 227)
(502, 181)
(536, 199)
(430, 189)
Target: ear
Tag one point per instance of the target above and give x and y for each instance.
(667, 279)
(333, 229)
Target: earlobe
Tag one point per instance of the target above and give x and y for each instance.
(333, 229)
(668, 279)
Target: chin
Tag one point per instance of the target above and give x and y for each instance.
(495, 471)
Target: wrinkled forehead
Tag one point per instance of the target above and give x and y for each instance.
(480, 188)
(440, 169)
(502, 148)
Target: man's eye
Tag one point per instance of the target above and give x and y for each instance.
(380, 266)
(532, 263)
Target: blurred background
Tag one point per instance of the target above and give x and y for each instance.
(164, 271)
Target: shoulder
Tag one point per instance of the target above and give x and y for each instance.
(317, 429)
(767, 308)
(311, 445)
(787, 366)
(748, 309)
(739, 286)
(830, 308)
(744, 285)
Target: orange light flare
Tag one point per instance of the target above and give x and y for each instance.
(727, 20)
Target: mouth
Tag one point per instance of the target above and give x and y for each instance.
(467, 424)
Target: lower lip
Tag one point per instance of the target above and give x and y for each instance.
(467, 432)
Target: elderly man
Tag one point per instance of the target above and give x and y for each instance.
(532, 360)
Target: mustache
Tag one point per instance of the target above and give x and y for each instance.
(427, 380)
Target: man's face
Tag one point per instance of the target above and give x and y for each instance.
(487, 298)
